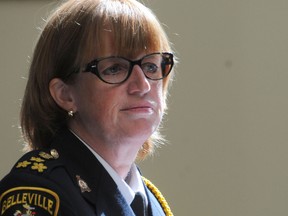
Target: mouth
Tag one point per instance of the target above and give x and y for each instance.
(137, 108)
(146, 108)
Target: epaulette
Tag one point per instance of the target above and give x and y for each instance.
(37, 160)
(24, 199)
(159, 196)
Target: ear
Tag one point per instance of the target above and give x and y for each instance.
(62, 95)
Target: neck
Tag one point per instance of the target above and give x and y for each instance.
(120, 156)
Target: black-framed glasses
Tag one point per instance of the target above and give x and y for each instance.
(116, 70)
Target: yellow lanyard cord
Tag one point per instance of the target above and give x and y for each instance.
(158, 196)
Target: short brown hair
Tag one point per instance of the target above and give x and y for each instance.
(68, 42)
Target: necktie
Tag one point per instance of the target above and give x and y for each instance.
(138, 205)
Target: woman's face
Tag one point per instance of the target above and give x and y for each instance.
(116, 113)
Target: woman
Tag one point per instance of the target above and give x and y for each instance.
(93, 104)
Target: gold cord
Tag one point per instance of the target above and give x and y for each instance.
(158, 196)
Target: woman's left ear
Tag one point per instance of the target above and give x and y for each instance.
(62, 95)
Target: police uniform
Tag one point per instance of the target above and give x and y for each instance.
(68, 180)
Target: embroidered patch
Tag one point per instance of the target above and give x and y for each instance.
(45, 155)
(38, 163)
(40, 167)
(23, 164)
(37, 159)
(28, 201)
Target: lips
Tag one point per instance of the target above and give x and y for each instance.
(139, 107)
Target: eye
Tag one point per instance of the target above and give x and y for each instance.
(113, 70)
(149, 67)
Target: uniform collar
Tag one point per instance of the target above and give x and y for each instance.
(127, 188)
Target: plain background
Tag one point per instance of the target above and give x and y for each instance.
(227, 121)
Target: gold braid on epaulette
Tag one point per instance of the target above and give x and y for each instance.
(158, 196)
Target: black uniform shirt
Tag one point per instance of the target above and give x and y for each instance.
(67, 180)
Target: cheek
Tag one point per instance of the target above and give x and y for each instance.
(97, 112)
(87, 97)
(105, 105)
(160, 98)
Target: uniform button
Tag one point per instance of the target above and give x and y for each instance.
(54, 153)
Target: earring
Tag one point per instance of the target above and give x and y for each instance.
(71, 113)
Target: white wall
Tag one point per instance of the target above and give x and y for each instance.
(227, 122)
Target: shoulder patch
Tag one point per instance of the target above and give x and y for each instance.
(29, 201)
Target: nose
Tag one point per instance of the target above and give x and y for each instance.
(137, 82)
